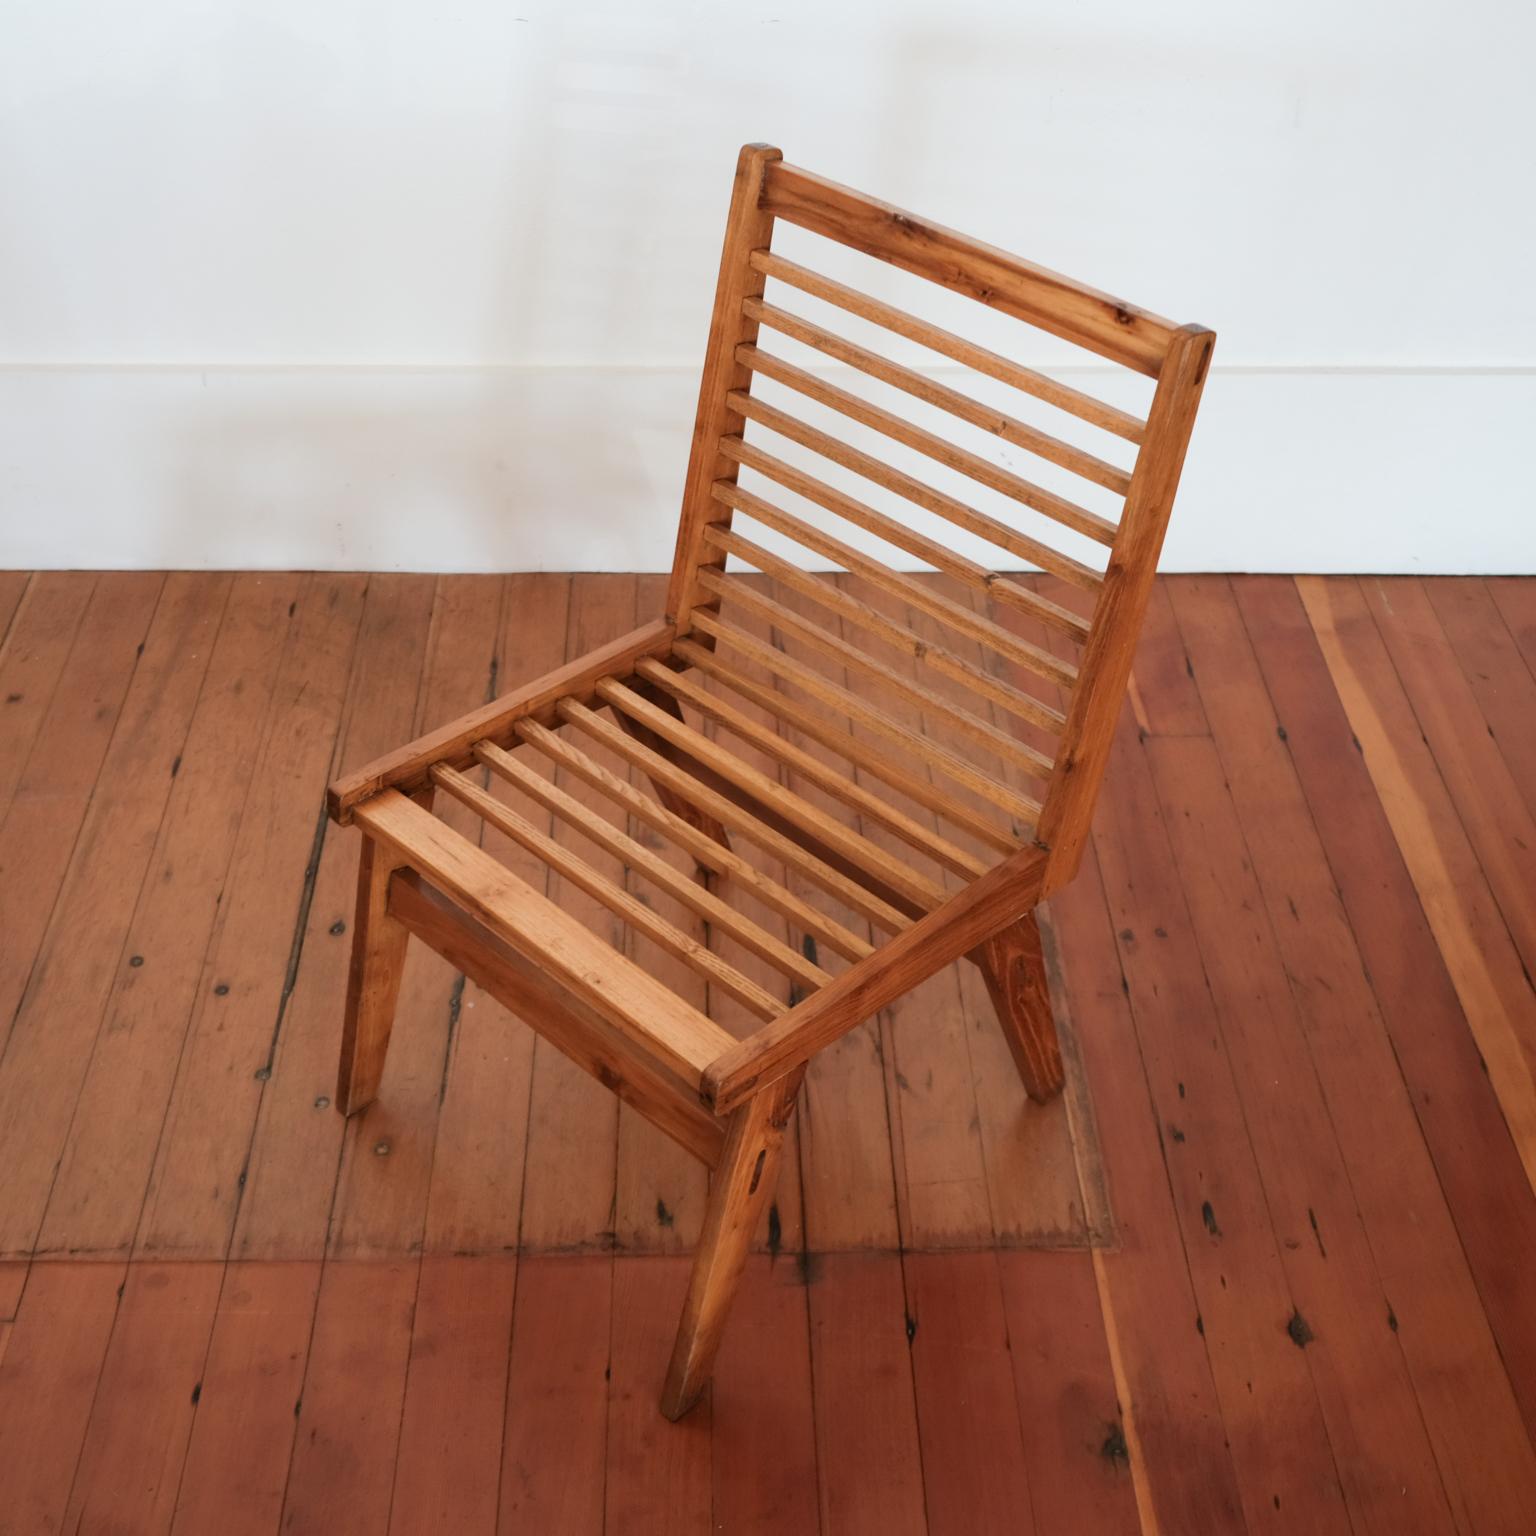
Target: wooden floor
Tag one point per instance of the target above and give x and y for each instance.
(1270, 1267)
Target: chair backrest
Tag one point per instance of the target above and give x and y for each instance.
(1074, 630)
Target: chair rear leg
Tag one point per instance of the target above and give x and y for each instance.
(373, 983)
(1013, 965)
(740, 1188)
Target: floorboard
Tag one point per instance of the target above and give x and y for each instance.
(1265, 1268)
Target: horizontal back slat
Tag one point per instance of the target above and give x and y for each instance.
(993, 364)
(1002, 425)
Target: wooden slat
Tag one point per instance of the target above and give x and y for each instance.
(923, 495)
(734, 815)
(1041, 662)
(636, 855)
(998, 897)
(994, 364)
(577, 1031)
(1106, 661)
(1031, 439)
(868, 859)
(921, 747)
(829, 595)
(1098, 321)
(1068, 513)
(409, 766)
(836, 735)
(842, 785)
(594, 972)
(858, 850)
(708, 852)
(622, 903)
(898, 534)
(858, 661)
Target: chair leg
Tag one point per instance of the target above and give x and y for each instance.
(373, 983)
(739, 1189)
(1013, 965)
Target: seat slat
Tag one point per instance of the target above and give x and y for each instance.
(974, 626)
(961, 460)
(912, 884)
(923, 495)
(829, 595)
(999, 743)
(836, 736)
(840, 784)
(1085, 407)
(726, 810)
(642, 918)
(714, 856)
(636, 1003)
(937, 555)
(1031, 439)
(934, 753)
(598, 829)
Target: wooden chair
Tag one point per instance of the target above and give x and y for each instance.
(947, 853)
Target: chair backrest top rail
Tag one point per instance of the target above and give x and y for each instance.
(1055, 303)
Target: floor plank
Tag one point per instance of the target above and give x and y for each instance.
(658, 1474)
(556, 1440)
(1075, 1450)
(1500, 679)
(48, 1383)
(237, 1462)
(447, 1473)
(39, 635)
(867, 1447)
(974, 1467)
(763, 1419)
(136, 1442)
(341, 1478)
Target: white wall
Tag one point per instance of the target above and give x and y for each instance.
(355, 283)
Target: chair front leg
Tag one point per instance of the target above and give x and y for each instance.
(739, 1190)
(1012, 962)
(373, 983)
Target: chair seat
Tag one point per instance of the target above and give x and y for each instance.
(665, 786)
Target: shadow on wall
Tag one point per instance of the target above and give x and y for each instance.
(502, 469)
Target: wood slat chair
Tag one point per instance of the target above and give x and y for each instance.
(876, 772)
